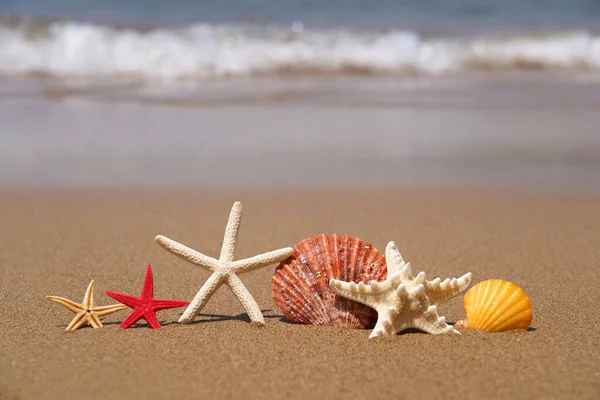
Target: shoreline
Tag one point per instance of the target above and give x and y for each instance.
(479, 89)
(283, 191)
(488, 135)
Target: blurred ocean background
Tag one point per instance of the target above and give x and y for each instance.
(134, 40)
(188, 92)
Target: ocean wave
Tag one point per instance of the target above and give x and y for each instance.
(70, 49)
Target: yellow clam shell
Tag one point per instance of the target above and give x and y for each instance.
(496, 305)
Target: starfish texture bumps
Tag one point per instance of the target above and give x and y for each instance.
(86, 311)
(403, 301)
(146, 305)
(225, 270)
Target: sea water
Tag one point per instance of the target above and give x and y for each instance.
(189, 40)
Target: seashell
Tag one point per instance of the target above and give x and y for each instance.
(301, 289)
(496, 305)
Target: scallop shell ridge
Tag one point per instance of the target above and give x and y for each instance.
(496, 305)
(300, 285)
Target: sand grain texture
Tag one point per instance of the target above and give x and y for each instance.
(55, 243)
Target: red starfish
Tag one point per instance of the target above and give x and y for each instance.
(145, 306)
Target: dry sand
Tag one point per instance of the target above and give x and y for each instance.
(55, 243)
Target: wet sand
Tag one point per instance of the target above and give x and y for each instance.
(54, 243)
(537, 131)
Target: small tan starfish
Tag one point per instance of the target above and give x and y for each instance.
(403, 301)
(86, 312)
(224, 269)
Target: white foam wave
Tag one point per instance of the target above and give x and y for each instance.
(71, 49)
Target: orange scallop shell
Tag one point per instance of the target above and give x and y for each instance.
(300, 285)
(496, 305)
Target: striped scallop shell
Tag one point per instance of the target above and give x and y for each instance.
(496, 305)
(301, 282)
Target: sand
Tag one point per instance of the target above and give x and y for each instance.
(54, 243)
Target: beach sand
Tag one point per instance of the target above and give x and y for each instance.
(54, 243)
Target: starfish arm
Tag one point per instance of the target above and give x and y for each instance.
(262, 260)
(231, 233)
(107, 310)
(377, 330)
(79, 320)
(125, 299)
(432, 323)
(395, 263)
(420, 314)
(69, 304)
(392, 313)
(158, 305)
(404, 310)
(244, 296)
(134, 317)
(94, 320)
(369, 295)
(148, 289)
(384, 325)
(151, 318)
(187, 254)
(201, 298)
(88, 299)
(440, 291)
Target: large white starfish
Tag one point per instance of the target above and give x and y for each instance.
(403, 301)
(224, 269)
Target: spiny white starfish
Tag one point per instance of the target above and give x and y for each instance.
(86, 312)
(403, 301)
(224, 269)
